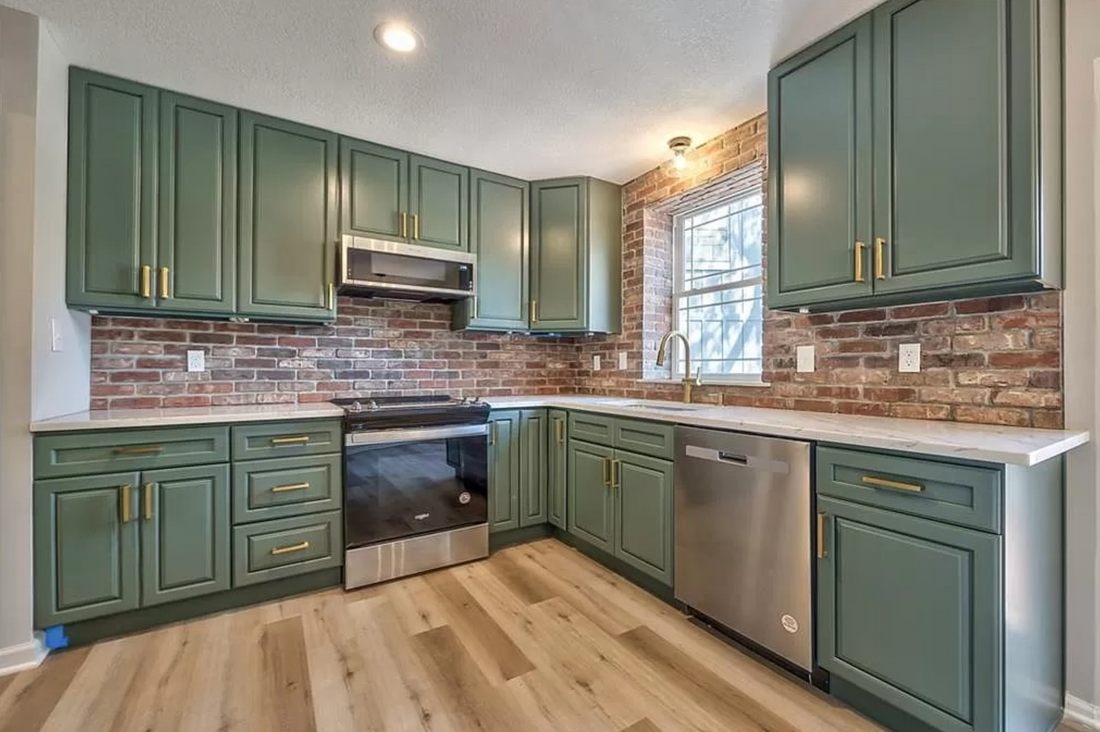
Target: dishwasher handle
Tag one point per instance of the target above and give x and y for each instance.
(738, 460)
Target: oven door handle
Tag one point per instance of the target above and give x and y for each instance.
(416, 434)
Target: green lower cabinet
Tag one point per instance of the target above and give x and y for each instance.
(184, 533)
(272, 550)
(533, 468)
(557, 467)
(590, 504)
(85, 548)
(504, 470)
(909, 611)
(643, 516)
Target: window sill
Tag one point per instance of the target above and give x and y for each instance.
(708, 382)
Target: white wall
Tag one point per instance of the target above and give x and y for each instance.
(1082, 315)
(18, 63)
(60, 379)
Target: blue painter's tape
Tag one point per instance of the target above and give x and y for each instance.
(56, 638)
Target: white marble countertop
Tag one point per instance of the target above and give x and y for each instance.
(989, 443)
(129, 418)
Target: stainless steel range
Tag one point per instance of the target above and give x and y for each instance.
(415, 485)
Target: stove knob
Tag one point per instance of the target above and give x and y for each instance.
(356, 407)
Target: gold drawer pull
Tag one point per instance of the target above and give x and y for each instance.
(822, 552)
(290, 549)
(289, 488)
(299, 440)
(144, 450)
(883, 483)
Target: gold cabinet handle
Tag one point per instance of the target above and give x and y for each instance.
(146, 281)
(607, 472)
(404, 225)
(124, 499)
(616, 473)
(859, 261)
(290, 488)
(290, 549)
(298, 440)
(559, 430)
(822, 552)
(534, 310)
(148, 507)
(416, 227)
(164, 283)
(883, 483)
(331, 296)
(142, 450)
(880, 273)
(493, 434)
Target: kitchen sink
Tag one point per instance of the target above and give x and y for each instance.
(663, 408)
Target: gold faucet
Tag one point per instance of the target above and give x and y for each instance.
(662, 351)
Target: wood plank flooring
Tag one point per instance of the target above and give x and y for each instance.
(536, 638)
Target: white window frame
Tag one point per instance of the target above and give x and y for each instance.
(678, 291)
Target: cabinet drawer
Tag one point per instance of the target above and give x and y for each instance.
(109, 451)
(275, 549)
(957, 494)
(592, 428)
(646, 438)
(286, 439)
(282, 487)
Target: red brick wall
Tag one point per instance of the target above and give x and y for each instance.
(373, 348)
(995, 361)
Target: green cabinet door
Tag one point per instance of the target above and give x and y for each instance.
(184, 533)
(590, 505)
(557, 463)
(533, 429)
(112, 192)
(287, 220)
(374, 190)
(559, 283)
(85, 548)
(909, 610)
(499, 237)
(949, 156)
(439, 201)
(643, 515)
(504, 470)
(197, 211)
(819, 137)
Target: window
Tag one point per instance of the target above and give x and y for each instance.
(718, 288)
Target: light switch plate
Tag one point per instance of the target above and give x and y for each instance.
(909, 358)
(805, 359)
(622, 361)
(196, 361)
(596, 363)
(56, 344)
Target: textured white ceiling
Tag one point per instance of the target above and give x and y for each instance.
(532, 88)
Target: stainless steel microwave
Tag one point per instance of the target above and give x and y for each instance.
(391, 270)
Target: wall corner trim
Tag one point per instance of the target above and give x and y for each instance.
(1082, 713)
(23, 657)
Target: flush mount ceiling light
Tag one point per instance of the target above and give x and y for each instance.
(679, 147)
(397, 37)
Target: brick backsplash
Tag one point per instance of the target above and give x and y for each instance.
(991, 360)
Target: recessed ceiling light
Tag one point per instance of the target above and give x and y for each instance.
(397, 37)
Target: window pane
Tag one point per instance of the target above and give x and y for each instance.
(722, 245)
(725, 329)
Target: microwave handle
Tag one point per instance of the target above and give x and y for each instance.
(415, 434)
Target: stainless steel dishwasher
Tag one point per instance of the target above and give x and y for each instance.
(743, 538)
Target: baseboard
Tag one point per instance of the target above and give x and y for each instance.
(1082, 713)
(22, 657)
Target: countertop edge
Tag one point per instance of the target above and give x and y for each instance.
(81, 423)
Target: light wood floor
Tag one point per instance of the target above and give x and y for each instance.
(536, 638)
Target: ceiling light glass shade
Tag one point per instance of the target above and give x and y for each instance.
(679, 160)
(397, 37)
(679, 147)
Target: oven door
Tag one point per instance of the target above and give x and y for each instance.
(406, 482)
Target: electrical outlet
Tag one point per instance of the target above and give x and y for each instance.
(909, 358)
(804, 356)
(196, 360)
(622, 361)
(56, 344)
(595, 363)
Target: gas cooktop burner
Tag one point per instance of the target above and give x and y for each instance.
(411, 411)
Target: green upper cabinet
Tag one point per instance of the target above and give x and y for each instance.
(184, 533)
(85, 548)
(819, 128)
(908, 611)
(439, 199)
(916, 155)
(557, 464)
(112, 193)
(499, 237)
(532, 459)
(197, 211)
(576, 256)
(287, 220)
(374, 190)
(504, 470)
